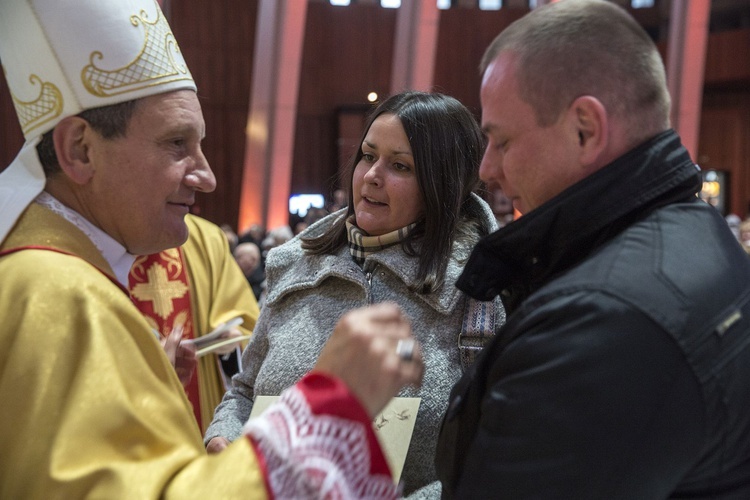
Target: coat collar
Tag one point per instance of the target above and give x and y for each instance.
(289, 271)
(528, 252)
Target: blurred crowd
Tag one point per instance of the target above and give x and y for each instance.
(251, 246)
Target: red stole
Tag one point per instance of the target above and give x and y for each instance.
(160, 289)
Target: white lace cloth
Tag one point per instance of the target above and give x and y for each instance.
(315, 456)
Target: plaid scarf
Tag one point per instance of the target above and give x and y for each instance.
(361, 244)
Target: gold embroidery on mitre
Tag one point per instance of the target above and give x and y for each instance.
(47, 106)
(154, 65)
(160, 290)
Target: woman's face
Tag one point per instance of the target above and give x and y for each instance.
(384, 185)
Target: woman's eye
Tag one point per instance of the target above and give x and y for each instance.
(402, 167)
(368, 157)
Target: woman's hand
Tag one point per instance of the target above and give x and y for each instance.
(215, 445)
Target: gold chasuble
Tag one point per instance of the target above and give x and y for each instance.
(92, 407)
(200, 286)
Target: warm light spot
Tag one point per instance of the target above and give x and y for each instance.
(372, 96)
(257, 130)
(711, 188)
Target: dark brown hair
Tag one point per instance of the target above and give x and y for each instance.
(109, 121)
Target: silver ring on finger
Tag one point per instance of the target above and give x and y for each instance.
(405, 349)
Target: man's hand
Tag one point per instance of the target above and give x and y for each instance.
(180, 354)
(362, 351)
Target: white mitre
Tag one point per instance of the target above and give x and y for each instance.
(61, 57)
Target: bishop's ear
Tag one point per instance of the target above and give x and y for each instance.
(72, 147)
(591, 121)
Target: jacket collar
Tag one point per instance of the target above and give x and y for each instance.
(528, 252)
(291, 272)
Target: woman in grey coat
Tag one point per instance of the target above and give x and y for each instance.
(411, 222)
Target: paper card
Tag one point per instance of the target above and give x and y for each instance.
(209, 338)
(217, 345)
(394, 427)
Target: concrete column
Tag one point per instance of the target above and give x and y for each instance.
(686, 57)
(416, 44)
(269, 150)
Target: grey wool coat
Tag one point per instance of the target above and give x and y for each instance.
(306, 296)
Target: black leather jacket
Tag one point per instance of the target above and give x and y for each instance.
(623, 370)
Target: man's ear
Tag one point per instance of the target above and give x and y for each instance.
(71, 137)
(592, 124)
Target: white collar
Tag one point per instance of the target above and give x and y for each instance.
(115, 254)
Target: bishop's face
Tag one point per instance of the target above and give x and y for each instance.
(145, 182)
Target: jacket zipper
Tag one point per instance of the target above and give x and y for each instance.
(368, 277)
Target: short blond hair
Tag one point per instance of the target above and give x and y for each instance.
(572, 48)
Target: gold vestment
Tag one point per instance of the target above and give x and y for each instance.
(91, 405)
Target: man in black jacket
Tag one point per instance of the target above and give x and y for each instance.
(623, 370)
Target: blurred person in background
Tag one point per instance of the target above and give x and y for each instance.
(255, 234)
(232, 238)
(274, 238)
(249, 259)
(501, 206)
(744, 234)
